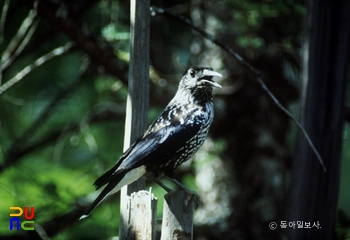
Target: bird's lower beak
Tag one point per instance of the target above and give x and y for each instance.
(208, 78)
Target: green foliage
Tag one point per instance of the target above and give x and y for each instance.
(84, 129)
(249, 18)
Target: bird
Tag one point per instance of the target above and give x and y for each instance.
(173, 138)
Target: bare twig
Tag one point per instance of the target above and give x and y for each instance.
(21, 74)
(5, 8)
(256, 72)
(82, 38)
(10, 56)
(19, 41)
(21, 147)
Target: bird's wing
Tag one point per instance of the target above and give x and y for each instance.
(155, 145)
(107, 176)
(166, 140)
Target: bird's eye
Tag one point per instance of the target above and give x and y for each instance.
(192, 73)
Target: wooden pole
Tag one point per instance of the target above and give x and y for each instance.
(142, 223)
(314, 193)
(132, 220)
(178, 213)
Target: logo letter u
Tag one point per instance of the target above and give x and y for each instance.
(31, 213)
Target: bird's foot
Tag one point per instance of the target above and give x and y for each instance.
(193, 195)
(166, 188)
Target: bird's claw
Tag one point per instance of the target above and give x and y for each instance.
(194, 197)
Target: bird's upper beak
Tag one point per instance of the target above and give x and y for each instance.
(207, 78)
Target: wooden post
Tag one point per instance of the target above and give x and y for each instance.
(178, 216)
(144, 205)
(314, 193)
(132, 220)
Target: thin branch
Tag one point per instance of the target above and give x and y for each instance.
(20, 145)
(82, 38)
(257, 73)
(19, 41)
(8, 57)
(5, 8)
(16, 41)
(45, 114)
(18, 151)
(301, 128)
(20, 75)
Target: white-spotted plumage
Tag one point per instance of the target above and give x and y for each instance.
(173, 138)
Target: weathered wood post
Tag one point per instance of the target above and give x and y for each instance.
(178, 216)
(137, 209)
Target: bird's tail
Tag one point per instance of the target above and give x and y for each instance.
(116, 182)
(109, 189)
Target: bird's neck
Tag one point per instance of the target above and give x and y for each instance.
(203, 95)
(198, 96)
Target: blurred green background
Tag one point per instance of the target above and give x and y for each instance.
(62, 125)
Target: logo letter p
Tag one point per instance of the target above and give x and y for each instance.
(20, 211)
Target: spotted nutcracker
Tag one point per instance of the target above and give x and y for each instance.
(171, 139)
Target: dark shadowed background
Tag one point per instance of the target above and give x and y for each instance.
(62, 125)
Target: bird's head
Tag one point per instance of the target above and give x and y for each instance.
(198, 82)
(199, 77)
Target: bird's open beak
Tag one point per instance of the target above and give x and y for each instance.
(207, 77)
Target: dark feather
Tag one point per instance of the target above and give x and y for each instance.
(171, 139)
